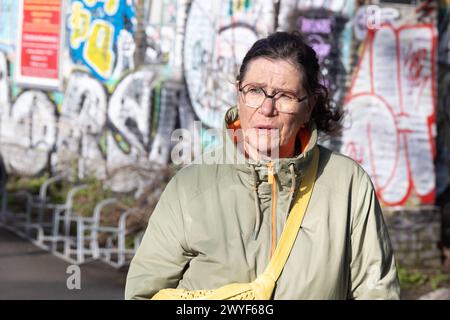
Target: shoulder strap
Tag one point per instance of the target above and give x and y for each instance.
(294, 221)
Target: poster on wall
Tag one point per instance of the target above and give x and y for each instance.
(39, 44)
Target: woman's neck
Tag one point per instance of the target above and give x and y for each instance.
(288, 150)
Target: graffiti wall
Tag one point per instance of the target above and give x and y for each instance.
(135, 70)
(100, 36)
(390, 127)
(217, 36)
(443, 106)
(326, 26)
(107, 116)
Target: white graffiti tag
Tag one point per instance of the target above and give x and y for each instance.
(390, 128)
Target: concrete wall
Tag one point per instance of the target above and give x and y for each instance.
(415, 236)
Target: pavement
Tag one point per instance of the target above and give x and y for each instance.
(28, 272)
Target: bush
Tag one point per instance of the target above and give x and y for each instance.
(411, 278)
(30, 184)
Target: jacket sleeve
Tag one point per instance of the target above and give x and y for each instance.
(162, 256)
(373, 271)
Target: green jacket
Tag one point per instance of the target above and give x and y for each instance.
(213, 227)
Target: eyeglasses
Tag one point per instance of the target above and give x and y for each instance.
(255, 96)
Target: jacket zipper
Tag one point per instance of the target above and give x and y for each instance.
(271, 181)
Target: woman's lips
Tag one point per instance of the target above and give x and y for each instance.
(265, 126)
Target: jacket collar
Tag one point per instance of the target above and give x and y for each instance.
(234, 156)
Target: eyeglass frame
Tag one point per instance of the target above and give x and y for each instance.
(272, 96)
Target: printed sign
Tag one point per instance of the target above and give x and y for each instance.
(39, 43)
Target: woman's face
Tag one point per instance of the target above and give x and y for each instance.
(267, 130)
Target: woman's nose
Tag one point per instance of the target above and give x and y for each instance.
(268, 107)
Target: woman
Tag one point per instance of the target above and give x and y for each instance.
(220, 224)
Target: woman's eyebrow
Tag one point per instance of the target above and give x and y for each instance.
(260, 84)
(276, 89)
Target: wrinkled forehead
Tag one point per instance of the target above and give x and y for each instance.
(280, 74)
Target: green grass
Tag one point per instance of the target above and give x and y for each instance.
(411, 278)
(438, 279)
(31, 184)
(86, 199)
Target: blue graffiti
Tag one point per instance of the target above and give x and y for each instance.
(94, 27)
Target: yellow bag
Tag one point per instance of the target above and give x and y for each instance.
(263, 286)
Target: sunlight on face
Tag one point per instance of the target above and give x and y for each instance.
(265, 127)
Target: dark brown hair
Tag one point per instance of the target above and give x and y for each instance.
(292, 47)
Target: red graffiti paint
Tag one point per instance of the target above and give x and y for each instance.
(414, 62)
(391, 105)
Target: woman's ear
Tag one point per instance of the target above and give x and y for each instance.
(237, 84)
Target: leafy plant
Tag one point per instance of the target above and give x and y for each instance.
(437, 279)
(86, 199)
(411, 278)
(31, 184)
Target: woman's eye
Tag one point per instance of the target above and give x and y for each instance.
(286, 96)
(255, 90)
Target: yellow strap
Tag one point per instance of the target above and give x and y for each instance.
(293, 223)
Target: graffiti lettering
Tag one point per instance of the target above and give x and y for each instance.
(78, 24)
(94, 29)
(29, 133)
(98, 49)
(315, 25)
(215, 44)
(391, 122)
(81, 124)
